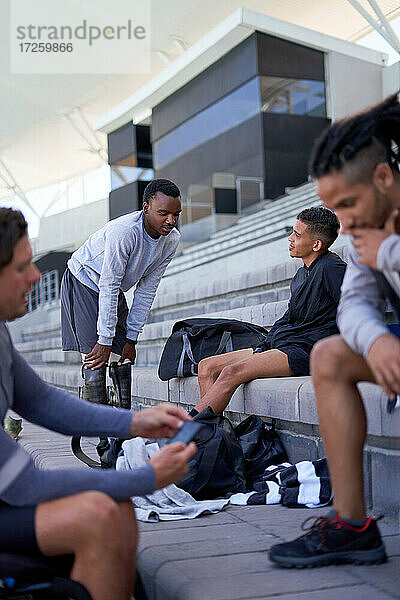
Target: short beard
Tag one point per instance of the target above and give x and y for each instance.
(383, 208)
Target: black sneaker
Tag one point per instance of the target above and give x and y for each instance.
(331, 542)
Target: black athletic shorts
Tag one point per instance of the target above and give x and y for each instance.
(17, 536)
(298, 359)
(17, 529)
(79, 312)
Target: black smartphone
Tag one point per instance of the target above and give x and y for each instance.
(186, 433)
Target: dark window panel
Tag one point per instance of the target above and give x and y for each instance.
(291, 133)
(292, 96)
(126, 199)
(130, 146)
(288, 140)
(225, 114)
(287, 59)
(225, 201)
(238, 151)
(228, 73)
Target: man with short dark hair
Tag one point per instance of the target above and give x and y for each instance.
(82, 513)
(356, 165)
(132, 250)
(311, 315)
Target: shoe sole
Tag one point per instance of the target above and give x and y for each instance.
(362, 557)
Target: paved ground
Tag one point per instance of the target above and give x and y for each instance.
(224, 556)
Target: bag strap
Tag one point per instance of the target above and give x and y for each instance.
(207, 464)
(186, 349)
(225, 343)
(79, 453)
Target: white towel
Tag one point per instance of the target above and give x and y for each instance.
(168, 504)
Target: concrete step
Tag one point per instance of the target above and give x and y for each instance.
(267, 225)
(269, 284)
(153, 337)
(41, 332)
(224, 302)
(271, 209)
(49, 342)
(289, 399)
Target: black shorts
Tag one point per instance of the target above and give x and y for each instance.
(17, 530)
(79, 313)
(298, 359)
(17, 536)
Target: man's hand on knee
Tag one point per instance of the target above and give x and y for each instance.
(128, 353)
(384, 361)
(171, 463)
(97, 357)
(158, 421)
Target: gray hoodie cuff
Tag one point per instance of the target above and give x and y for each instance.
(388, 252)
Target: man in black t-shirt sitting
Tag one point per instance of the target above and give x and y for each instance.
(311, 315)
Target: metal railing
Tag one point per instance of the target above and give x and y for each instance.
(45, 291)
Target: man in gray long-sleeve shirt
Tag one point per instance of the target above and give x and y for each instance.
(356, 165)
(80, 512)
(134, 249)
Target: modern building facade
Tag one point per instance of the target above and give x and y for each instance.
(233, 121)
(254, 114)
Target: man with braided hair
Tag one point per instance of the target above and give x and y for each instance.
(356, 167)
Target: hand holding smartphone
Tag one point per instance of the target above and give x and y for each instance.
(186, 433)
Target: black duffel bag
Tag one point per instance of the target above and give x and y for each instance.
(194, 339)
(261, 447)
(218, 468)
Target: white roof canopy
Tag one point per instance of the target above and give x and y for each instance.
(47, 120)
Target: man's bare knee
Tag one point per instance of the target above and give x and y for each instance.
(231, 374)
(207, 367)
(67, 524)
(113, 522)
(329, 358)
(97, 513)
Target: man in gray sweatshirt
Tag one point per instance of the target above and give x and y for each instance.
(83, 513)
(132, 250)
(356, 165)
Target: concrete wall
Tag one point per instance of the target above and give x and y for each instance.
(352, 84)
(69, 229)
(391, 79)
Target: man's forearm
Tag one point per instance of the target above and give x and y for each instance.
(108, 316)
(37, 485)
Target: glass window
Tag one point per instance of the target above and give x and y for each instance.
(235, 108)
(293, 96)
(123, 175)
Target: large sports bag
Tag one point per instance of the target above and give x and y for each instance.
(218, 468)
(194, 339)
